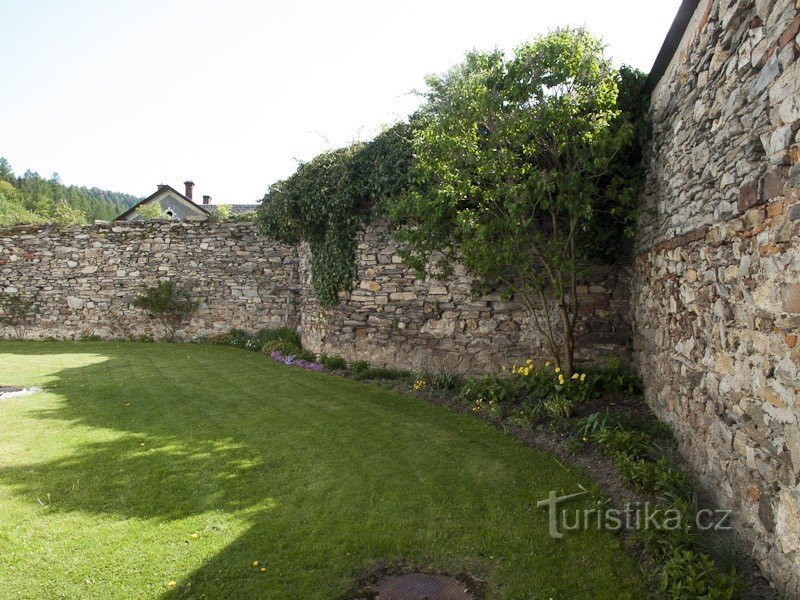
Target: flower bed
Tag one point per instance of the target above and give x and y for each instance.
(293, 361)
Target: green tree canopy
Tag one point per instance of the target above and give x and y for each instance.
(521, 158)
(32, 199)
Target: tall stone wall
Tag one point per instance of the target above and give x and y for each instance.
(716, 283)
(83, 279)
(394, 318)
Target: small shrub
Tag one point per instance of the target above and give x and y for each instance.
(613, 378)
(168, 305)
(285, 348)
(690, 574)
(623, 443)
(17, 312)
(333, 363)
(283, 334)
(595, 422)
(522, 416)
(239, 338)
(360, 372)
(305, 355)
(359, 366)
(221, 213)
(448, 382)
(231, 338)
(486, 388)
(556, 393)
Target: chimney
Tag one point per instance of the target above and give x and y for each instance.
(189, 188)
(206, 199)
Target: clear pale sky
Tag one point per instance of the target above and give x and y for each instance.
(124, 94)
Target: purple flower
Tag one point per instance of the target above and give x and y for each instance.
(296, 362)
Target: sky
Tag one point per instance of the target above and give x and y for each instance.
(124, 95)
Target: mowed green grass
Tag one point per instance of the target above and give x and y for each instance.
(146, 464)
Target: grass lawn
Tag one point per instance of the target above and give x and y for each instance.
(146, 464)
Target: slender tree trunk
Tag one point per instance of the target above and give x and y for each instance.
(568, 344)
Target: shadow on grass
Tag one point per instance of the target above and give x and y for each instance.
(327, 474)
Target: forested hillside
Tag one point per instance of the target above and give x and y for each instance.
(30, 198)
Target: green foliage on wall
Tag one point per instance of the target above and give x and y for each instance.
(530, 164)
(328, 198)
(167, 304)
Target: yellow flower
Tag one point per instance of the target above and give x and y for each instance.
(547, 364)
(574, 375)
(193, 536)
(558, 369)
(585, 439)
(529, 362)
(255, 563)
(263, 569)
(514, 369)
(172, 584)
(583, 376)
(561, 379)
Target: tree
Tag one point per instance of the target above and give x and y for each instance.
(12, 211)
(150, 211)
(168, 305)
(6, 173)
(33, 199)
(221, 213)
(517, 158)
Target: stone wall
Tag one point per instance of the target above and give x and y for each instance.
(716, 283)
(394, 318)
(83, 279)
(711, 299)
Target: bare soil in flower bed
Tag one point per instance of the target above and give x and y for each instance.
(550, 436)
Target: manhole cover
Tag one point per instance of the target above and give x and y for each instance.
(421, 586)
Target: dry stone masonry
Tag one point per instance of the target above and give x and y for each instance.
(83, 279)
(716, 283)
(393, 317)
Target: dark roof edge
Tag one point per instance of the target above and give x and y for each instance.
(671, 43)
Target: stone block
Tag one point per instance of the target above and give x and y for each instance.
(790, 296)
(774, 182)
(749, 195)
